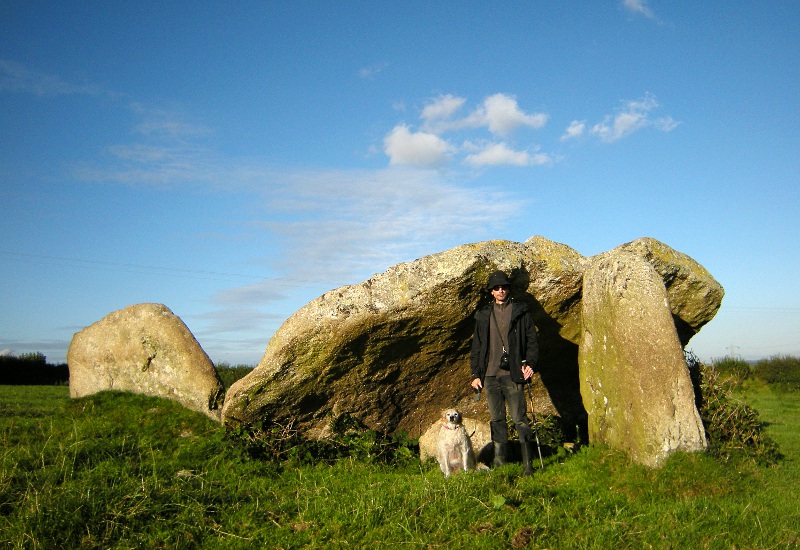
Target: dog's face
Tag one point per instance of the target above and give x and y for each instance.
(452, 416)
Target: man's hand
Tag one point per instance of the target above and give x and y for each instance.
(476, 384)
(527, 371)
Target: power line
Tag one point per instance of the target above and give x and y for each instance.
(121, 267)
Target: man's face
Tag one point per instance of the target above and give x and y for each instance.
(500, 293)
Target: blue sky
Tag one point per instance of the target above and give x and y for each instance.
(234, 161)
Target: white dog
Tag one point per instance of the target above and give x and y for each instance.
(453, 447)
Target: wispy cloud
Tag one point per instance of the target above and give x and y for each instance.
(159, 165)
(167, 125)
(327, 225)
(631, 117)
(575, 129)
(16, 77)
(442, 108)
(339, 227)
(497, 154)
(639, 7)
(370, 72)
(354, 221)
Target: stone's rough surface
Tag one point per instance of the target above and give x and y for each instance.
(634, 381)
(694, 295)
(555, 284)
(394, 350)
(144, 349)
(479, 434)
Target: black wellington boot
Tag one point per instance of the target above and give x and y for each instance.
(499, 454)
(527, 457)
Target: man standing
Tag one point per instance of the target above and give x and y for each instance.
(504, 351)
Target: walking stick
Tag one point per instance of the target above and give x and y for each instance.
(529, 383)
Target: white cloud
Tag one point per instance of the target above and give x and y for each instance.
(497, 154)
(639, 7)
(404, 147)
(634, 116)
(501, 114)
(575, 130)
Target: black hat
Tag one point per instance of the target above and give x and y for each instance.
(497, 278)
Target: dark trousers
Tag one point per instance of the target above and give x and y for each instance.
(503, 393)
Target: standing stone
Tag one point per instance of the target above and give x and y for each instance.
(144, 349)
(633, 376)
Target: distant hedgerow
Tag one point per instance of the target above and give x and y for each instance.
(781, 372)
(731, 366)
(230, 374)
(32, 369)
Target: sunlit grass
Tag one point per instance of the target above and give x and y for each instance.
(124, 471)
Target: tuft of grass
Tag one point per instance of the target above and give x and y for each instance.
(122, 471)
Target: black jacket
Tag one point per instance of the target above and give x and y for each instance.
(522, 341)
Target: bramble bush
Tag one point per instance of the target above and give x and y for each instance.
(277, 443)
(733, 428)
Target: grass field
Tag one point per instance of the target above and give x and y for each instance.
(126, 471)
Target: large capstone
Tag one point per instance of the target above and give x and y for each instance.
(694, 295)
(144, 349)
(394, 350)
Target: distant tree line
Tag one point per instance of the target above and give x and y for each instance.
(31, 369)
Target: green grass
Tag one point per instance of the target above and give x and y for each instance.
(125, 471)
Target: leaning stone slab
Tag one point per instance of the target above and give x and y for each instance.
(393, 351)
(144, 349)
(634, 381)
